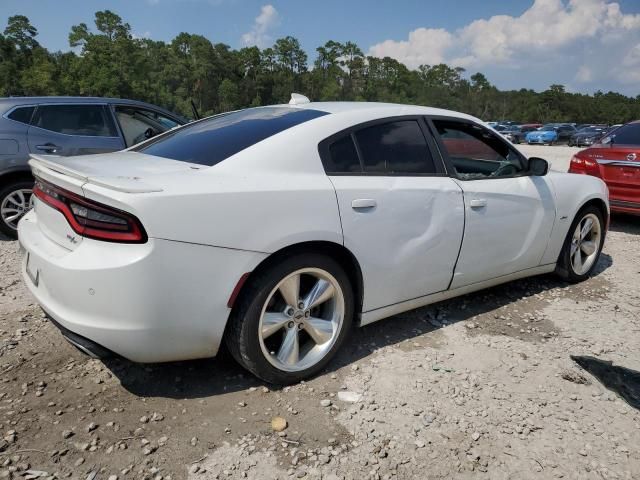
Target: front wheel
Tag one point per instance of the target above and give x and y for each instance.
(292, 318)
(583, 245)
(16, 199)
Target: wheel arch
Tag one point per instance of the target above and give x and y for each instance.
(15, 175)
(600, 205)
(331, 249)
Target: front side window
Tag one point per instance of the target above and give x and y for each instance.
(476, 153)
(22, 114)
(84, 120)
(139, 124)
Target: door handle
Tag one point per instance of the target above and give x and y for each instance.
(478, 203)
(48, 147)
(363, 204)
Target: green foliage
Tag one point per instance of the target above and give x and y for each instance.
(107, 60)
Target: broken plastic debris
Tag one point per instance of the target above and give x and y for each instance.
(349, 397)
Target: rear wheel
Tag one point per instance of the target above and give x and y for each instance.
(583, 245)
(16, 199)
(292, 318)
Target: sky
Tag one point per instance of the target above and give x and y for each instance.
(586, 45)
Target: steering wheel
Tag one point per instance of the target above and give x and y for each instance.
(146, 135)
(505, 169)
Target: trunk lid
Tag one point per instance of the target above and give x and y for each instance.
(128, 172)
(619, 167)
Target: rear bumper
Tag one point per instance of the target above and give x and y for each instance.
(153, 302)
(624, 206)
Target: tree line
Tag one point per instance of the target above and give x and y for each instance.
(108, 60)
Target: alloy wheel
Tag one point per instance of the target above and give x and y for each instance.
(585, 244)
(301, 319)
(15, 205)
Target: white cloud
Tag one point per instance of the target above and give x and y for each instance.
(550, 37)
(584, 74)
(424, 46)
(146, 34)
(259, 34)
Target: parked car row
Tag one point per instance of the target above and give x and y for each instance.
(552, 133)
(65, 126)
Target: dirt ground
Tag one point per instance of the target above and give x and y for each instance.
(482, 386)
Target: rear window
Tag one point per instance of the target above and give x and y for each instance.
(210, 141)
(628, 134)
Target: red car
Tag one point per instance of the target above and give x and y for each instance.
(616, 160)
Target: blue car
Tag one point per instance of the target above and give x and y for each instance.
(547, 135)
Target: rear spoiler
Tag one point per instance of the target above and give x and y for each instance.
(52, 163)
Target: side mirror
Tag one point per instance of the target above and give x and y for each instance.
(538, 166)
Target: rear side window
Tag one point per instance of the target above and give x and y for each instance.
(22, 114)
(628, 134)
(210, 141)
(395, 148)
(82, 120)
(343, 157)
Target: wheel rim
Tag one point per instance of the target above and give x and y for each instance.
(15, 205)
(301, 319)
(585, 244)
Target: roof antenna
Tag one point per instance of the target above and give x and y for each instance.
(297, 99)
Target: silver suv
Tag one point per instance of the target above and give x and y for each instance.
(65, 126)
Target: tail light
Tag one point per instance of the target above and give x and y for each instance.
(584, 166)
(91, 219)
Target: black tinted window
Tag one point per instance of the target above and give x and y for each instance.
(22, 114)
(212, 140)
(628, 134)
(84, 120)
(395, 147)
(343, 157)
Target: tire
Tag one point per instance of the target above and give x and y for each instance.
(9, 208)
(255, 349)
(566, 267)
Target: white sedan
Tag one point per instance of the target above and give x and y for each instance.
(275, 229)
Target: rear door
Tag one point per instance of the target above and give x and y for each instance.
(509, 214)
(73, 129)
(402, 217)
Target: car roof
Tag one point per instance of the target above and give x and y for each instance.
(382, 109)
(8, 102)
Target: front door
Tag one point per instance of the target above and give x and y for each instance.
(402, 217)
(508, 213)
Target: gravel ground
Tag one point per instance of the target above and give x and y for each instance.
(479, 386)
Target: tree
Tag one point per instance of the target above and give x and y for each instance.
(20, 31)
(107, 60)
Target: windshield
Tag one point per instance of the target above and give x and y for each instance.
(548, 128)
(214, 139)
